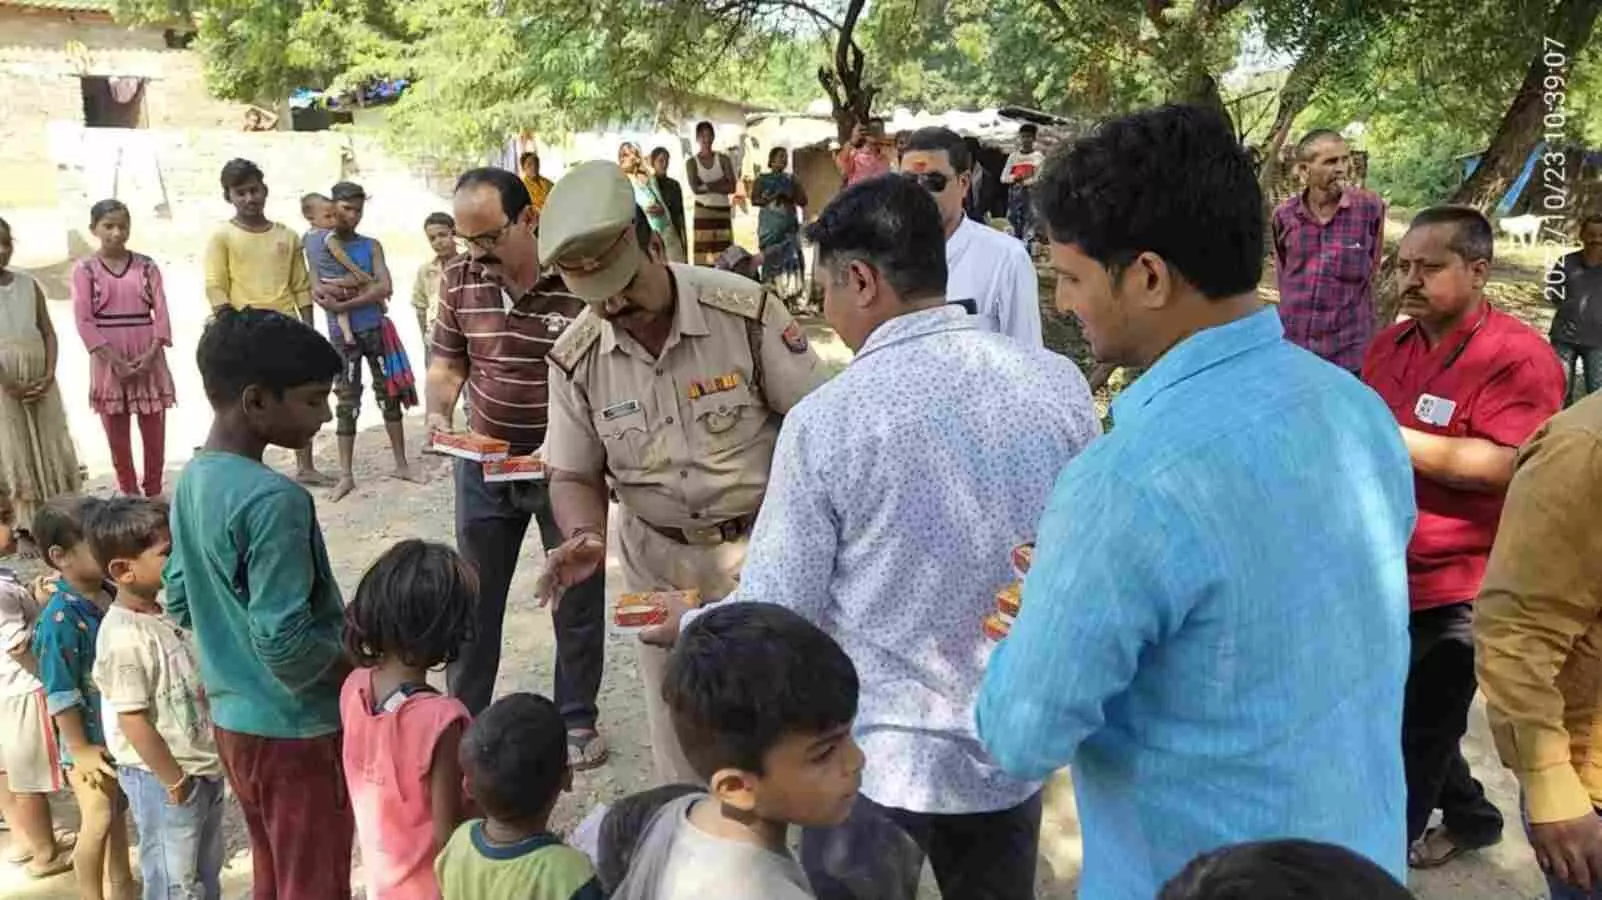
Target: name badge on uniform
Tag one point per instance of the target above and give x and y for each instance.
(1434, 410)
(619, 410)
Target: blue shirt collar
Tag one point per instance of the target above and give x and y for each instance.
(1196, 353)
(533, 842)
(924, 322)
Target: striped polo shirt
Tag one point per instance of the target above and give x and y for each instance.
(504, 341)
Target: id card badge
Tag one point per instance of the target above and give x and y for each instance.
(1434, 410)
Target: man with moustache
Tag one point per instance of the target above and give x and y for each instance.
(497, 320)
(1467, 384)
(1328, 241)
(668, 390)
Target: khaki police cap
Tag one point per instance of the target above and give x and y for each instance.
(587, 230)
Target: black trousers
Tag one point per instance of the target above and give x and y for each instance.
(878, 853)
(491, 520)
(1440, 690)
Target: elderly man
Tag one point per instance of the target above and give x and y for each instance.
(899, 490)
(1214, 632)
(670, 387)
(986, 270)
(497, 320)
(1328, 241)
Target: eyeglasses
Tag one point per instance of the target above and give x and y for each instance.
(488, 240)
(933, 182)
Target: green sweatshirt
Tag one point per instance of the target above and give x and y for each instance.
(249, 575)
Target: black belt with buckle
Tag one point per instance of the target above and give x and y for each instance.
(721, 533)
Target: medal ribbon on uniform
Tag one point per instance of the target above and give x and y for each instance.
(718, 385)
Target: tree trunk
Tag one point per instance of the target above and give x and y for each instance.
(1294, 96)
(851, 99)
(1568, 29)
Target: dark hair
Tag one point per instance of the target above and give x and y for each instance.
(745, 675)
(124, 528)
(240, 171)
(244, 347)
(105, 208)
(704, 126)
(526, 156)
(1586, 222)
(416, 603)
(514, 757)
(941, 140)
(642, 229)
(1171, 181)
(891, 223)
(346, 190)
(775, 152)
(514, 194)
(59, 523)
(1029, 128)
(1271, 870)
(1472, 238)
(660, 151)
(440, 218)
(1305, 145)
(306, 200)
(623, 826)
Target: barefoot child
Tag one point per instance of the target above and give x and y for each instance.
(252, 262)
(157, 721)
(121, 308)
(64, 644)
(370, 340)
(413, 611)
(30, 769)
(37, 459)
(515, 759)
(249, 576)
(440, 229)
(318, 211)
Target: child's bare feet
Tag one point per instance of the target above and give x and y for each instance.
(342, 490)
(313, 478)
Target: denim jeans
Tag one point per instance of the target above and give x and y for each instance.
(180, 847)
(1590, 358)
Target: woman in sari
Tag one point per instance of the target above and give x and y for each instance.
(649, 199)
(781, 198)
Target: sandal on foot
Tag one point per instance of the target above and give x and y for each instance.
(57, 865)
(1439, 846)
(66, 840)
(586, 749)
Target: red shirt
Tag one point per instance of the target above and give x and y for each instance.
(1505, 381)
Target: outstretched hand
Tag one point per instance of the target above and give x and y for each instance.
(1570, 851)
(578, 557)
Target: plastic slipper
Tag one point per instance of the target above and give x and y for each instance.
(586, 749)
(62, 862)
(66, 840)
(1438, 847)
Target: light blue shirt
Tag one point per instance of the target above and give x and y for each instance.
(1214, 632)
(897, 493)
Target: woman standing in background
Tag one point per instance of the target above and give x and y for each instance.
(711, 176)
(121, 309)
(781, 198)
(650, 200)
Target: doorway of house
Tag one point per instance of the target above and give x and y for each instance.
(113, 102)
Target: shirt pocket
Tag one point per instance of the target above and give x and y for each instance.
(625, 437)
(1353, 258)
(727, 419)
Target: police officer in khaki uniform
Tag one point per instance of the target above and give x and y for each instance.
(669, 389)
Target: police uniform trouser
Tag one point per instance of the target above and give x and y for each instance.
(654, 562)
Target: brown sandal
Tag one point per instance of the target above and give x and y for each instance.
(1438, 847)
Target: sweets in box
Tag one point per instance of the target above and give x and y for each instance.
(470, 445)
(997, 625)
(636, 612)
(514, 468)
(1023, 556)
(1008, 601)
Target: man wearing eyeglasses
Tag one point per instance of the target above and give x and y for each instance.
(668, 390)
(1467, 384)
(497, 319)
(988, 271)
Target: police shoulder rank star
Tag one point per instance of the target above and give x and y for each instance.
(795, 339)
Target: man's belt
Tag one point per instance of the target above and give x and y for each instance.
(721, 533)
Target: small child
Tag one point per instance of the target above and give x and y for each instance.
(318, 211)
(1272, 870)
(515, 759)
(64, 644)
(29, 769)
(762, 701)
(157, 720)
(624, 824)
(413, 612)
(249, 576)
(440, 229)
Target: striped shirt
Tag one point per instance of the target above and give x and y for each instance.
(504, 342)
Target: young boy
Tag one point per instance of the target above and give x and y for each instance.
(318, 211)
(514, 759)
(353, 279)
(30, 770)
(762, 701)
(249, 576)
(257, 263)
(157, 721)
(440, 229)
(64, 645)
(1271, 870)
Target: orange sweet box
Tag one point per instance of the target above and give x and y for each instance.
(469, 445)
(1010, 599)
(514, 468)
(638, 611)
(1023, 556)
(997, 625)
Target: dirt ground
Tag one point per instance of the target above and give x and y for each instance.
(383, 511)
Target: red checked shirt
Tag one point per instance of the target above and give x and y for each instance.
(1493, 378)
(1325, 272)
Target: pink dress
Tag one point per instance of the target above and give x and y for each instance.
(387, 756)
(128, 311)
